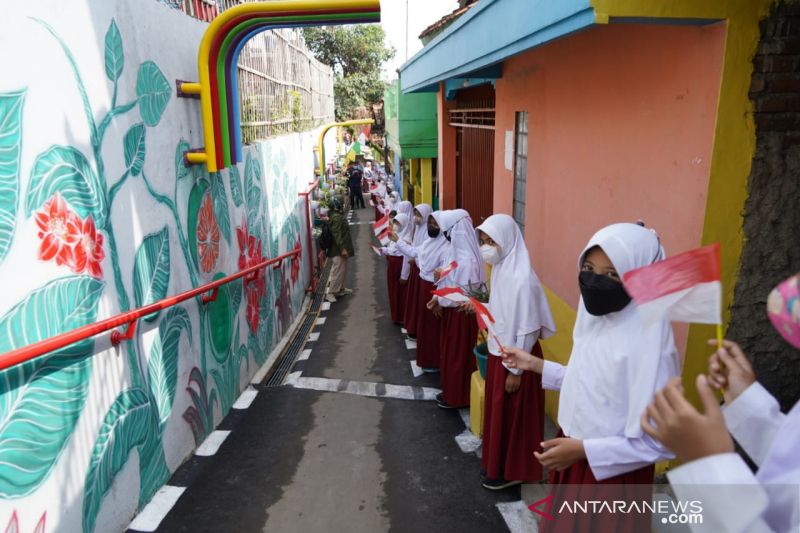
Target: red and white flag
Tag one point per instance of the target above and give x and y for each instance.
(380, 225)
(482, 314)
(683, 288)
(445, 271)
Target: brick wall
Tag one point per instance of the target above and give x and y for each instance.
(772, 212)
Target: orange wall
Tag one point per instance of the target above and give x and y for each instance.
(446, 164)
(621, 125)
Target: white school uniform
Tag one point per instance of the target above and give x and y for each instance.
(741, 501)
(463, 250)
(431, 254)
(617, 364)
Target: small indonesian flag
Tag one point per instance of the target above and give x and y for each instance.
(447, 270)
(482, 314)
(380, 225)
(683, 288)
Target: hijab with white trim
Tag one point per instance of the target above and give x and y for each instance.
(517, 300)
(618, 363)
(432, 252)
(463, 249)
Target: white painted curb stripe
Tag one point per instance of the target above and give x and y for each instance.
(304, 355)
(411, 344)
(403, 331)
(364, 388)
(313, 337)
(246, 398)
(468, 442)
(518, 517)
(321, 320)
(155, 511)
(212, 443)
(416, 370)
(326, 306)
(292, 378)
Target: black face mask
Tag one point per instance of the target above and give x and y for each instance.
(433, 232)
(601, 294)
(447, 236)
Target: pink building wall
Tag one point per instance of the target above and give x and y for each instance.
(621, 126)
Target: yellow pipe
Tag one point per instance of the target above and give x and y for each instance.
(196, 157)
(325, 128)
(222, 19)
(190, 88)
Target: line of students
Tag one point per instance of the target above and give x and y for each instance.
(619, 395)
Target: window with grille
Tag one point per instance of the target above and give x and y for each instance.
(520, 167)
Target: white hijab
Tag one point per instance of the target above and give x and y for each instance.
(402, 220)
(432, 253)
(421, 231)
(392, 201)
(617, 363)
(407, 232)
(516, 301)
(463, 249)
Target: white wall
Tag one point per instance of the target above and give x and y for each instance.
(89, 434)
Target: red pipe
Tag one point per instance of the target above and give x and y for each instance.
(313, 281)
(26, 353)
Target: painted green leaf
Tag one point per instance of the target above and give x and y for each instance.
(180, 169)
(133, 145)
(66, 170)
(236, 186)
(130, 423)
(43, 398)
(153, 91)
(220, 326)
(252, 180)
(11, 105)
(115, 59)
(220, 201)
(162, 366)
(235, 290)
(195, 201)
(151, 270)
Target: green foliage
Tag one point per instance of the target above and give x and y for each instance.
(151, 270)
(115, 59)
(153, 91)
(10, 148)
(133, 147)
(356, 54)
(162, 366)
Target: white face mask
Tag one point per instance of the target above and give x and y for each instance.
(490, 254)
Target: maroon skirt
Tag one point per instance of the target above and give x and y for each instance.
(411, 307)
(578, 484)
(395, 289)
(456, 359)
(513, 424)
(428, 328)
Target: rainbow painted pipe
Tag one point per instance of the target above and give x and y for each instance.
(219, 54)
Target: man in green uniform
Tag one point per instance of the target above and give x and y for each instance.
(340, 250)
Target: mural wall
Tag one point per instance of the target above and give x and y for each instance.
(98, 215)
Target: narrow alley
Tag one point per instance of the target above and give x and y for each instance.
(373, 454)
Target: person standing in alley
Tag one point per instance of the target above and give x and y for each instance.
(513, 422)
(429, 256)
(618, 363)
(354, 177)
(341, 249)
(459, 330)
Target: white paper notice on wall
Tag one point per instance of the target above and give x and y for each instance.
(509, 150)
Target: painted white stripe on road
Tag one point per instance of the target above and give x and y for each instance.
(212, 443)
(411, 344)
(464, 412)
(518, 518)
(246, 398)
(304, 355)
(326, 306)
(321, 320)
(292, 378)
(403, 331)
(155, 511)
(313, 337)
(468, 442)
(415, 369)
(364, 388)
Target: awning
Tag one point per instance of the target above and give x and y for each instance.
(488, 34)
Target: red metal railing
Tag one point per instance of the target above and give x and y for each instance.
(131, 318)
(313, 281)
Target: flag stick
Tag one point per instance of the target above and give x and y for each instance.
(720, 337)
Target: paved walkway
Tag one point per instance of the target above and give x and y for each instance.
(352, 443)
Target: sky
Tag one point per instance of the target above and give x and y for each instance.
(421, 14)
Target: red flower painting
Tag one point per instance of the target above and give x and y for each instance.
(68, 239)
(254, 287)
(207, 235)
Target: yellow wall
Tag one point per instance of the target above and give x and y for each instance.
(734, 139)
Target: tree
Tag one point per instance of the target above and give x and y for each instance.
(356, 54)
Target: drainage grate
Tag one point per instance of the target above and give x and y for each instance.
(289, 355)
